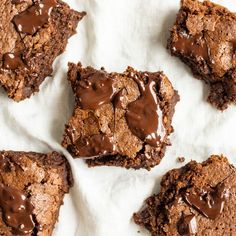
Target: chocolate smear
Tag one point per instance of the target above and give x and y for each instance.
(95, 91)
(191, 46)
(17, 210)
(144, 114)
(208, 202)
(98, 144)
(33, 18)
(12, 61)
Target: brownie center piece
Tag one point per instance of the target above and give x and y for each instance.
(142, 115)
(17, 210)
(121, 119)
(98, 144)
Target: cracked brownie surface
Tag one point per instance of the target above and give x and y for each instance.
(120, 119)
(197, 199)
(32, 187)
(204, 37)
(33, 34)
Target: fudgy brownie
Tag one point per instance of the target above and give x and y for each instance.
(32, 187)
(197, 199)
(204, 37)
(32, 34)
(120, 119)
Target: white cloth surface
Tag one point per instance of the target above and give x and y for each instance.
(115, 34)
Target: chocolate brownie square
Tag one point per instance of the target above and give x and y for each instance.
(204, 37)
(197, 199)
(32, 187)
(32, 34)
(119, 119)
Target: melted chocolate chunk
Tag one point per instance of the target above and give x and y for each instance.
(118, 99)
(12, 61)
(209, 202)
(33, 18)
(144, 114)
(98, 144)
(187, 225)
(17, 210)
(95, 91)
(191, 46)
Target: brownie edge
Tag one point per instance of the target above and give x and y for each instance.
(197, 199)
(32, 188)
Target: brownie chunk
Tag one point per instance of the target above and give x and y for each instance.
(119, 119)
(197, 199)
(204, 37)
(32, 187)
(32, 34)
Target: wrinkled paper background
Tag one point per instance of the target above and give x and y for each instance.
(115, 34)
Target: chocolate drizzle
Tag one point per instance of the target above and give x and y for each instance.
(98, 144)
(143, 115)
(12, 61)
(187, 225)
(210, 202)
(33, 18)
(17, 210)
(95, 91)
(194, 46)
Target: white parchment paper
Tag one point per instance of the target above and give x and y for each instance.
(115, 34)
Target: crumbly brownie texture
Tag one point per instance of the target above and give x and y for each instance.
(32, 34)
(120, 119)
(197, 199)
(32, 187)
(204, 37)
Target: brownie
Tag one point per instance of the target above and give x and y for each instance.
(204, 37)
(32, 187)
(32, 34)
(197, 199)
(119, 119)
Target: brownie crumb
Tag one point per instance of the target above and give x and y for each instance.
(204, 37)
(181, 159)
(120, 119)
